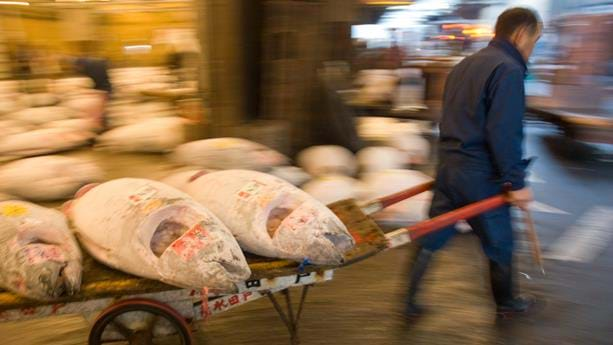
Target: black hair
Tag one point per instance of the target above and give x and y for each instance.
(514, 18)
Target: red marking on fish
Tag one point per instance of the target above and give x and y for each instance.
(246, 295)
(197, 175)
(244, 195)
(191, 242)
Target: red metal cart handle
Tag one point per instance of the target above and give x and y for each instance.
(388, 200)
(431, 225)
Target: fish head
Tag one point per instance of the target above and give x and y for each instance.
(39, 270)
(312, 232)
(194, 249)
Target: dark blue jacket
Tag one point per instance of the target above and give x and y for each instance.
(483, 107)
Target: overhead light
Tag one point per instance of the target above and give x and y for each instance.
(137, 49)
(16, 3)
(387, 3)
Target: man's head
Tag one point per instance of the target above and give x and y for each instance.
(520, 26)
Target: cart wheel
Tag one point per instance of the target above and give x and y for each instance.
(140, 321)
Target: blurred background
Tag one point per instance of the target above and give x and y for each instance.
(353, 73)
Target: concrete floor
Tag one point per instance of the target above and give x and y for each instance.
(363, 304)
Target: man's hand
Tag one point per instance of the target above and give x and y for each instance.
(521, 197)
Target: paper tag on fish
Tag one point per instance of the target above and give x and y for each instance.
(14, 210)
(250, 189)
(190, 243)
(142, 194)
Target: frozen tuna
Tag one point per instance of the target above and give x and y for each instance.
(386, 182)
(228, 153)
(10, 127)
(152, 135)
(77, 124)
(47, 178)
(291, 174)
(377, 158)
(9, 104)
(69, 85)
(376, 85)
(129, 113)
(270, 217)
(327, 159)
(332, 188)
(42, 115)
(39, 257)
(40, 99)
(43, 141)
(89, 105)
(415, 147)
(151, 230)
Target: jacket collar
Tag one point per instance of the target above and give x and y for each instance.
(510, 50)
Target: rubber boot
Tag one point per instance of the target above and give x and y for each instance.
(420, 264)
(503, 290)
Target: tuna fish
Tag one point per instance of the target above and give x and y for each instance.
(9, 86)
(228, 153)
(40, 99)
(332, 188)
(377, 158)
(47, 178)
(415, 147)
(89, 105)
(77, 124)
(152, 135)
(124, 114)
(377, 85)
(39, 257)
(291, 174)
(43, 141)
(386, 182)
(10, 127)
(327, 159)
(68, 85)
(151, 230)
(37, 116)
(9, 104)
(270, 217)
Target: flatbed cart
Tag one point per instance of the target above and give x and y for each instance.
(123, 307)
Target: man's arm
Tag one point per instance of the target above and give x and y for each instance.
(504, 124)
